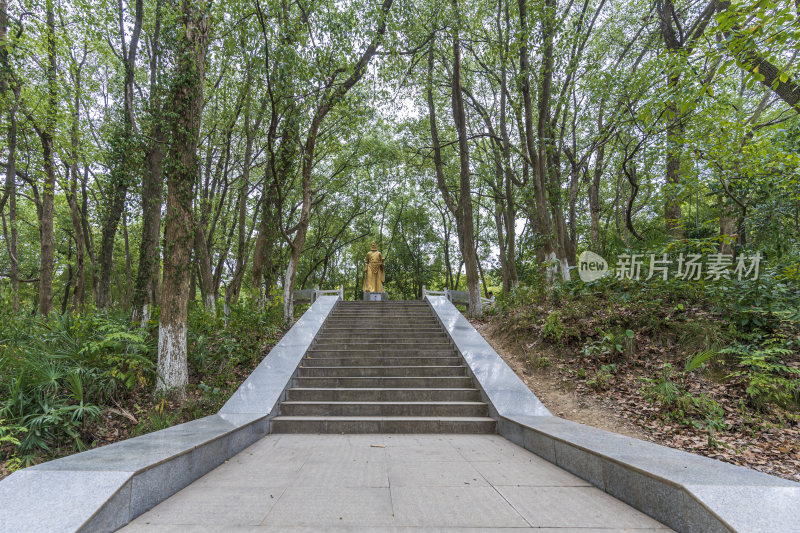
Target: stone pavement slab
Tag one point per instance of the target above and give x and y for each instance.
(391, 483)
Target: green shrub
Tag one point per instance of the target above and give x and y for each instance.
(553, 328)
(56, 372)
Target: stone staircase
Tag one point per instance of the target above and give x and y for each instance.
(382, 367)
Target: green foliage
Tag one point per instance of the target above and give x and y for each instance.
(764, 370)
(603, 378)
(553, 328)
(56, 372)
(609, 345)
(662, 389)
(699, 359)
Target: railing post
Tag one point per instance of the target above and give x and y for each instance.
(341, 292)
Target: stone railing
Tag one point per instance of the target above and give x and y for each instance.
(455, 297)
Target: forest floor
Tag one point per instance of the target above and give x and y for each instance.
(559, 378)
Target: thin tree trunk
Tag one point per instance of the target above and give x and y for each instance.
(509, 215)
(727, 223)
(146, 287)
(11, 186)
(46, 136)
(542, 215)
(79, 294)
(672, 206)
(122, 171)
(464, 216)
(126, 290)
(203, 258)
(181, 172)
(11, 167)
(594, 196)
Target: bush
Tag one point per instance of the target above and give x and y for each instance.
(55, 372)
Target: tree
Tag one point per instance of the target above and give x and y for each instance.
(186, 101)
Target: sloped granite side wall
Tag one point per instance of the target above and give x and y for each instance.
(687, 492)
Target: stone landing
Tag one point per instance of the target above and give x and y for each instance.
(377, 483)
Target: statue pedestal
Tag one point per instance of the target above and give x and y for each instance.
(375, 296)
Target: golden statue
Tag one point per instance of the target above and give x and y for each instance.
(374, 273)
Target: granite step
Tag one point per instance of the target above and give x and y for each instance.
(380, 371)
(367, 344)
(381, 322)
(382, 361)
(437, 382)
(395, 330)
(381, 367)
(365, 394)
(382, 329)
(371, 408)
(381, 336)
(382, 351)
(381, 424)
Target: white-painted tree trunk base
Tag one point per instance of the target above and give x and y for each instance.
(145, 315)
(173, 371)
(288, 297)
(211, 303)
(551, 267)
(565, 269)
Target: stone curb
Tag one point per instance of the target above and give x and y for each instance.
(105, 488)
(686, 492)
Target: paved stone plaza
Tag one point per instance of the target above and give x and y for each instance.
(390, 483)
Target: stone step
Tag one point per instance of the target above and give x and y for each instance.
(382, 361)
(404, 337)
(378, 344)
(364, 394)
(382, 368)
(359, 303)
(362, 320)
(358, 408)
(388, 324)
(381, 351)
(381, 424)
(460, 382)
(380, 371)
(381, 329)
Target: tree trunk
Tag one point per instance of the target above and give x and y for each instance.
(203, 257)
(727, 223)
(672, 206)
(146, 288)
(464, 211)
(11, 166)
(509, 216)
(233, 290)
(181, 170)
(146, 291)
(501, 242)
(79, 294)
(11, 191)
(122, 171)
(46, 136)
(594, 199)
(538, 167)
